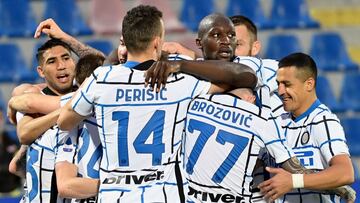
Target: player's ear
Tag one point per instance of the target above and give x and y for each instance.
(256, 47)
(310, 84)
(40, 71)
(198, 43)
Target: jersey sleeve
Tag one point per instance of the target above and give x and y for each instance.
(196, 86)
(329, 136)
(82, 102)
(66, 151)
(272, 135)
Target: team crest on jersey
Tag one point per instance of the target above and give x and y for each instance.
(305, 137)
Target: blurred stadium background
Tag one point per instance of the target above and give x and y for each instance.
(328, 30)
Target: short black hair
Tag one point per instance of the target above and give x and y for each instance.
(140, 25)
(207, 22)
(86, 65)
(303, 63)
(249, 24)
(48, 45)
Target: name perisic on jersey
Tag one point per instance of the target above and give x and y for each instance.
(139, 94)
(214, 197)
(222, 114)
(135, 179)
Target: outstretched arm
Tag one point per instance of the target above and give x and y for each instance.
(217, 72)
(50, 28)
(34, 103)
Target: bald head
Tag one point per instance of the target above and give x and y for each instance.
(209, 21)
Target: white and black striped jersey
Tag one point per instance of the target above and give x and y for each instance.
(316, 137)
(82, 148)
(40, 180)
(265, 70)
(224, 135)
(140, 131)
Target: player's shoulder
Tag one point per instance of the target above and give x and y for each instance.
(179, 57)
(321, 113)
(253, 62)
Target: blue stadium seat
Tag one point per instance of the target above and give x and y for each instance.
(349, 92)
(329, 52)
(352, 133)
(102, 45)
(252, 10)
(16, 18)
(193, 12)
(291, 14)
(13, 67)
(281, 45)
(67, 15)
(326, 95)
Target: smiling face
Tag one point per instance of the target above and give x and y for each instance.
(57, 68)
(296, 92)
(217, 39)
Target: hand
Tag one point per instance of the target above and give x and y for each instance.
(159, 72)
(177, 48)
(11, 114)
(278, 185)
(50, 28)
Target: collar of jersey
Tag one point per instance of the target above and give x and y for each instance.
(139, 66)
(307, 112)
(131, 64)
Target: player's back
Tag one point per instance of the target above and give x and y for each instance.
(224, 135)
(140, 131)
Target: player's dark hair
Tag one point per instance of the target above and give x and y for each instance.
(86, 65)
(140, 25)
(305, 65)
(48, 45)
(243, 20)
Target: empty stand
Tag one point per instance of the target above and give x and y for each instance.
(13, 67)
(329, 52)
(251, 9)
(16, 18)
(103, 45)
(281, 45)
(349, 93)
(171, 21)
(291, 14)
(193, 11)
(326, 95)
(106, 16)
(352, 133)
(67, 15)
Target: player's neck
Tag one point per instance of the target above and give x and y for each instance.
(141, 57)
(305, 106)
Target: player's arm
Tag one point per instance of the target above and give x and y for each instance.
(71, 186)
(69, 118)
(34, 103)
(50, 28)
(177, 48)
(327, 179)
(30, 128)
(217, 72)
(17, 166)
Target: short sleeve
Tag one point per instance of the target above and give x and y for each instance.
(83, 100)
(329, 136)
(66, 151)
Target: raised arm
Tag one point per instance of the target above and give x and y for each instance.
(50, 28)
(218, 72)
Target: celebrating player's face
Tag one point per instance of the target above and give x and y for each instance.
(244, 42)
(292, 90)
(219, 42)
(58, 69)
